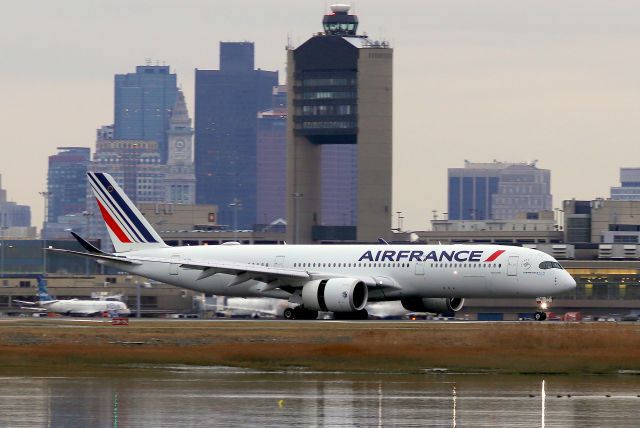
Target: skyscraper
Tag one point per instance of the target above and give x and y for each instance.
(143, 103)
(497, 190)
(227, 103)
(180, 181)
(272, 160)
(629, 189)
(12, 214)
(135, 165)
(67, 182)
(339, 142)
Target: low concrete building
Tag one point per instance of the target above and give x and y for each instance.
(180, 217)
(526, 229)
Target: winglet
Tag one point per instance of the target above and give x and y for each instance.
(86, 245)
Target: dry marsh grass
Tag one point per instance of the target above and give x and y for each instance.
(388, 346)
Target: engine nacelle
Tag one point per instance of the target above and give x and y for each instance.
(433, 305)
(335, 295)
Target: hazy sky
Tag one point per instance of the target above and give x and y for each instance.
(552, 80)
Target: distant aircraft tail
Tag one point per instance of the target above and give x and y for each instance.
(128, 229)
(43, 293)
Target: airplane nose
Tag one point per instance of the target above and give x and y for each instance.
(568, 283)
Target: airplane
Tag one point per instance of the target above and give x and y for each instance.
(73, 307)
(252, 307)
(331, 278)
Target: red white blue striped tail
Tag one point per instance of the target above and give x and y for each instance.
(127, 227)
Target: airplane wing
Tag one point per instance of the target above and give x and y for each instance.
(24, 302)
(31, 308)
(245, 272)
(103, 256)
(275, 277)
(272, 277)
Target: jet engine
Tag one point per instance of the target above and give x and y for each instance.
(335, 295)
(433, 305)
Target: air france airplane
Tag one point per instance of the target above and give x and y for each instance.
(341, 279)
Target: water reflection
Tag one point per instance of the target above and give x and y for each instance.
(543, 395)
(218, 397)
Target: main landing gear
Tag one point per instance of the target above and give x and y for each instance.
(300, 313)
(357, 315)
(543, 305)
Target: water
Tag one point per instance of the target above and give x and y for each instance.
(182, 397)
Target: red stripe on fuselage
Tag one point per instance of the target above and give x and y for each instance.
(112, 224)
(495, 255)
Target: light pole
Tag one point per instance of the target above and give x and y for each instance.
(296, 197)
(138, 296)
(559, 219)
(137, 299)
(4, 281)
(45, 196)
(87, 218)
(236, 205)
(399, 228)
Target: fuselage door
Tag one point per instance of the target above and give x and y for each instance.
(279, 261)
(175, 262)
(420, 268)
(512, 267)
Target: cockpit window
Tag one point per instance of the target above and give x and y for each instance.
(550, 265)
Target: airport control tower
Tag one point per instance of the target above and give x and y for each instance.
(339, 135)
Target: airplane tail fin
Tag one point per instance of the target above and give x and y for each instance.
(43, 292)
(128, 229)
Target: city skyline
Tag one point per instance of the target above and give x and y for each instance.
(497, 80)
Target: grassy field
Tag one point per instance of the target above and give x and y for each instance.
(524, 347)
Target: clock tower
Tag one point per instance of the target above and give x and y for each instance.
(180, 180)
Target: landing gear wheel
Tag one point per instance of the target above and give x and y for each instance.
(289, 314)
(310, 315)
(540, 316)
(362, 315)
(301, 313)
(358, 315)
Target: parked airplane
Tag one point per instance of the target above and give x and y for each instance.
(252, 307)
(340, 279)
(75, 307)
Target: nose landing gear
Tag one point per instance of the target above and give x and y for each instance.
(540, 316)
(543, 305)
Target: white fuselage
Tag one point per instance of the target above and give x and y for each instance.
(412, 270)
(84, 307)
